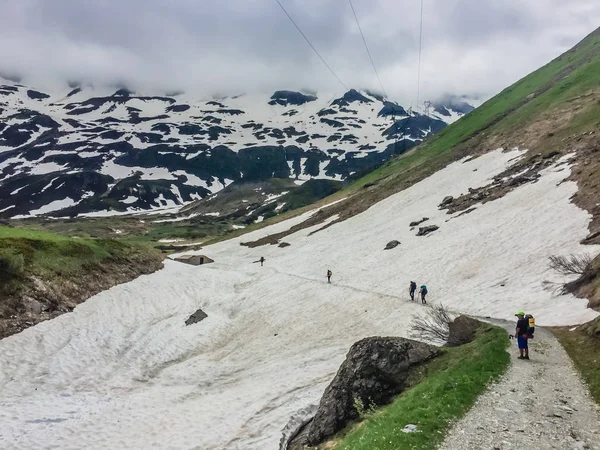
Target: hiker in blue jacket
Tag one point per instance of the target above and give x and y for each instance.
(423, 292)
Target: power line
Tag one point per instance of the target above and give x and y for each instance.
(420, 50)
(367, 47)
(311, 46)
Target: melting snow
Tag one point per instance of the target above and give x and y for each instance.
(125, 372)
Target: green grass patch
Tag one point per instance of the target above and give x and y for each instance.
(512, 108)
(47, 253)
(583, 346)
(448, 387)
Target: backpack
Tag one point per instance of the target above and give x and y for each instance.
(413, 286)
(329, 273)
(424, 289)
(530, 325)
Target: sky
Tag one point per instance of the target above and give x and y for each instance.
(226, 47)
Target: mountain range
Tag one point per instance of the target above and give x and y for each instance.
(89, 151)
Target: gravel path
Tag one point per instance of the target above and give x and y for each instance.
(538, 404)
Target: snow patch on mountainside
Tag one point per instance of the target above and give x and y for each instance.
(123, 371)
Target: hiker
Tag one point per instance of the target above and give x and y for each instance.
(412, 289)
(329, 273)
(423, 292)
(262, 260)
(522, 334)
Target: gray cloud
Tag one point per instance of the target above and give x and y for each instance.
(227, 46)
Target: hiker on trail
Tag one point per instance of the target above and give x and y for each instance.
(262, 260)
(412, 289)
(329, 273)
(522, 334)
(423, 292)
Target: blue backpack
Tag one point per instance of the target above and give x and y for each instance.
(424, 289)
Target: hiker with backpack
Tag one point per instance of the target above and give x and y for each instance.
(423, 292)
(523, 332)
(329, 273)
(412, 289)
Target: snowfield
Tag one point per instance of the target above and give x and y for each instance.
(123, 371)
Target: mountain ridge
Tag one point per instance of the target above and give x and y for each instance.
(86, 151)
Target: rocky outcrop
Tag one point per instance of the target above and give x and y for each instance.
(426, 230)
(392, 244)
(462, 331)
(375, 370)
(447, 201)
(198, 316)
(418, 222)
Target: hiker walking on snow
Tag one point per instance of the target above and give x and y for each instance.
(262, 260)
(329, 273)
(412, 289)
(423, 292)
(522, 334)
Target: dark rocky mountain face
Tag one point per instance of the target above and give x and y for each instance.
(82, 151)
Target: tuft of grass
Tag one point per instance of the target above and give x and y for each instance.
(447, 388)
(583, 346)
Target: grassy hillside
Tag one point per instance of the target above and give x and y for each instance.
(448, 387)
(583, 346)
(44, 274)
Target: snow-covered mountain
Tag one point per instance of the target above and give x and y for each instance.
(86, 150)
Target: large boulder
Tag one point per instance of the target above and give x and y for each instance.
(375, 370)
(462, 331)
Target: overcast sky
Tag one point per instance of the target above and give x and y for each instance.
(232, 46)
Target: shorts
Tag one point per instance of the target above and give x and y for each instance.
(522, 341)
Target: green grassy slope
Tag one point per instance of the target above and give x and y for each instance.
(57, 272)
(571, 74)
(450, 385)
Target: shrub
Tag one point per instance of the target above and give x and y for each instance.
(572, 265)
(11, 265)
(434, 326)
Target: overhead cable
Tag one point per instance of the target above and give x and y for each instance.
(367, 47)
(311, 46)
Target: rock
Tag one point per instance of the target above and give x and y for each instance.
(375, 370)
(283, 245)
(392, 244)
(418, 222)
(32, 305)
(198, 316)
(426, 230)
(462, 331)
(592, 238)
(410, 428)
(446, 202)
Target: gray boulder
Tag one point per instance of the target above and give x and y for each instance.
(418, 222)
(392, 244)
(462, 330)
(375, 370)
(447, 200)
(426, 230)
(198, 316)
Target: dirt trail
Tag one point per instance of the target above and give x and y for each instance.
(541, 403)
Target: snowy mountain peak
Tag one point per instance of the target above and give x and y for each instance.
(88, 149)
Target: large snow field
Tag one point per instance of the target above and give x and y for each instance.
(123, 371)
